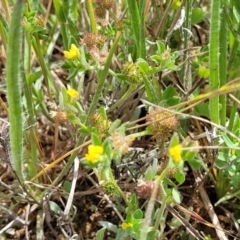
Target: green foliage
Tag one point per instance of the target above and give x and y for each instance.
(13, 90)
(128, 87)
(198, 15)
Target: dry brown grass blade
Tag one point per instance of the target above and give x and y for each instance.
(215, 221)
(196, 216)
(54, 163)
(185, 223)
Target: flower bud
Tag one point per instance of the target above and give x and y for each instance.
(145, 188)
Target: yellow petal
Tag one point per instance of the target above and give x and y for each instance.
(73, 93)
(94, 153)
(67, 54)
(126, 225)
(175, 153)
(73, 53)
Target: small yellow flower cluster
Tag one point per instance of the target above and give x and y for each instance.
(94, 153)
(73, 94)
(125, 225)
(73, 53)
(175, 153)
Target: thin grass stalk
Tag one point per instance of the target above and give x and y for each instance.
(47, 76)
(214, 81)
(230, 62)
(120, 101)
(69, 28)
(223, 67)
(236, 36)
(160, 215)
(27, 56)
(222, 183)
(64, 34)
(142, 44)
(160, 28)
(148, 215)
(3, 31)
(13, 89)
(233, 112)
(91, 16)
(33, 154)
(62, 18)
(70, 161)
(136, 23)
(102, 74)
(151, 91)
(6, 8)
(187, 75)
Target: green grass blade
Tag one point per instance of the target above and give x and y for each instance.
(223, 67)
(91, 16)
(214, 59)
(13, 88)
(137, 22)
(142, 44)
(3, 30)
(187, 74)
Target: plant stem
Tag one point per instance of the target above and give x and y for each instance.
(6, 8)
(102, 74)
(160, 215)
(187, 75)
(137, 21)
(214, 59)
(92, 17)
(123, 98)
(3, 31)
(47, 76)
(13, 89)
(230, 62)
(33, 162)
(218, 68)
(223, 67)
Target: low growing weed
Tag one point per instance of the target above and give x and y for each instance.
(119, 119)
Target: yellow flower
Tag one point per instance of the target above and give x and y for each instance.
(73, 93)
(94, 153)
(73, 53)
(175, 153)
(125, 225)
(176, 4)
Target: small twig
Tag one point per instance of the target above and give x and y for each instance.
(234, 98)
(231, 216)
(185, 223)
(210, 209)
(26, 220)
(9, 225)
(71, 194)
